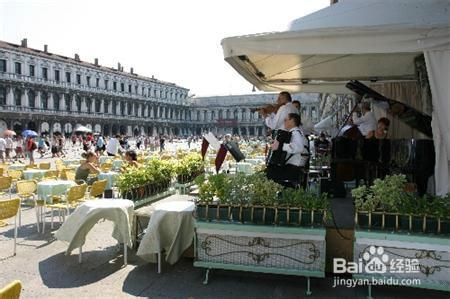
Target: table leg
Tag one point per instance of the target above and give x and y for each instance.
(159, 262)
(80, 254)
(369, 290)
(43, 219)
(308, 286)
(205, 282)
(125, 254)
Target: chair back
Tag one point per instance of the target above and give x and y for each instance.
(31, 166)
(106, 167)
(12, 290)
(68, 174)
(98, 188)
(44, 165)
(26, 187)
(76, 193)
(15, 174)
(2, 171)
(51, 174)
(8, 209)
(5, 182)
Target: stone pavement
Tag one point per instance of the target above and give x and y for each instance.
(46, 272)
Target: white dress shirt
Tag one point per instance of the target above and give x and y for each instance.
(365, 123)
(296, 148)
(113, 146)
(276, 121)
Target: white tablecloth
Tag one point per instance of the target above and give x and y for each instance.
(111, 177)
(80, 222)
(34, 174)
(46, 189)
(171, 228)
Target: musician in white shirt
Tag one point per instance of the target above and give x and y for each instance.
(306, 126)
(296, 157)
(367, 123)
(276, 121)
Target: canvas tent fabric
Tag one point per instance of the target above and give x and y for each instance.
(370, 41)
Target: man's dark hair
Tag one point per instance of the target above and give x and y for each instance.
(117, 136)
(286, 95)
(296, 118)
(384, 121)
(296, 102)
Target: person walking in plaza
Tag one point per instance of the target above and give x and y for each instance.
(30, 148)
(100, 146)
(9, 147)
(2, 149)
(113, 146)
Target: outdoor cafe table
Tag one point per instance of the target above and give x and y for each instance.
(254, 161)
(80, 222)
(46, 189)
(244, 167)
(68, 162)
(111, 178)
(34, 174)
(17, 166)
(170, 229)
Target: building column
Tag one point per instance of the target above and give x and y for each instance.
(10, 97)
(83, 105)
(102, 106)
(73, 103)
(50, 103)
(24, 99)
(62, 102)
(37, 100)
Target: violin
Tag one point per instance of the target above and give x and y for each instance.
(267, 109)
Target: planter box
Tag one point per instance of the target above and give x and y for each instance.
(260, 215)
(258, 248)
(429, 254)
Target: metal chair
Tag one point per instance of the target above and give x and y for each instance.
(12, 290)
(8, 209)
(51, 175)
(25, 190)
(74, 196)
(97, 189)
(5, 185)
(44, 165)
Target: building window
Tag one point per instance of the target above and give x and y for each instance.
(78, 79)
(113, 107)
(106, 84)
(129, 88)
(122, 87)
(2, 65)
(143, 90)
(68, 77)
(31, 99)
(115, 86)
(97, 106)
(97, 82)
(44, 100)
(18, 68)
(313, 113)
(17, 97)
(56, 101)
(2, 96)
(78, 103)
(67, 98)
(45, 73)
(89, 105)
(57, 75)
(88, 81)
(32, 71)
(122, 108)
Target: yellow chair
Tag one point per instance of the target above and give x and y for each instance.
(31, 166)
(74, 196)
(51, 175)
(11, 291)
(2, 171)
(97, 189)
(68, 174)
(5, 184)
(44, 165)
(25, 190)
(8, 209)
(106, 167)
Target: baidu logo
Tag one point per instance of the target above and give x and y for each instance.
(375, 260)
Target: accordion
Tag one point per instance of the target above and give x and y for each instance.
(278, 157)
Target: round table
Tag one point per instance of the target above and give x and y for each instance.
(34, 174)
(244, 167)
(73, 161)
(46, 189)
(103, 159)
(111, 178)
(17, 166)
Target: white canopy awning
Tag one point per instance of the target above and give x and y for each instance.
(364, 40)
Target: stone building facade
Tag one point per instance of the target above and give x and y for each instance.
(46, 92)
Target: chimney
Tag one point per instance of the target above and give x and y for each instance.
(77, 57)
(24, 43)
(131, 71)
(118, 66)
(96, 61)
(46, 48)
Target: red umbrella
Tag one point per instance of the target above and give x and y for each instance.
(9, 133)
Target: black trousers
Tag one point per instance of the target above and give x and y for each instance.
(287, 175)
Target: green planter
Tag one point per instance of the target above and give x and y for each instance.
(306, 218)
(362, 219)
(295, 216)
(200, 212)
(318, 218)
(417, 224)
(223, 213)
(445, 226)
(431, 225)
(389, 222)
(377, 220)
(404, 223)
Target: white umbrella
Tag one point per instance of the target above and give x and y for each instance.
(83, 129)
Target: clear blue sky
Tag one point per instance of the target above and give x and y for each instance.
(174, 40)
